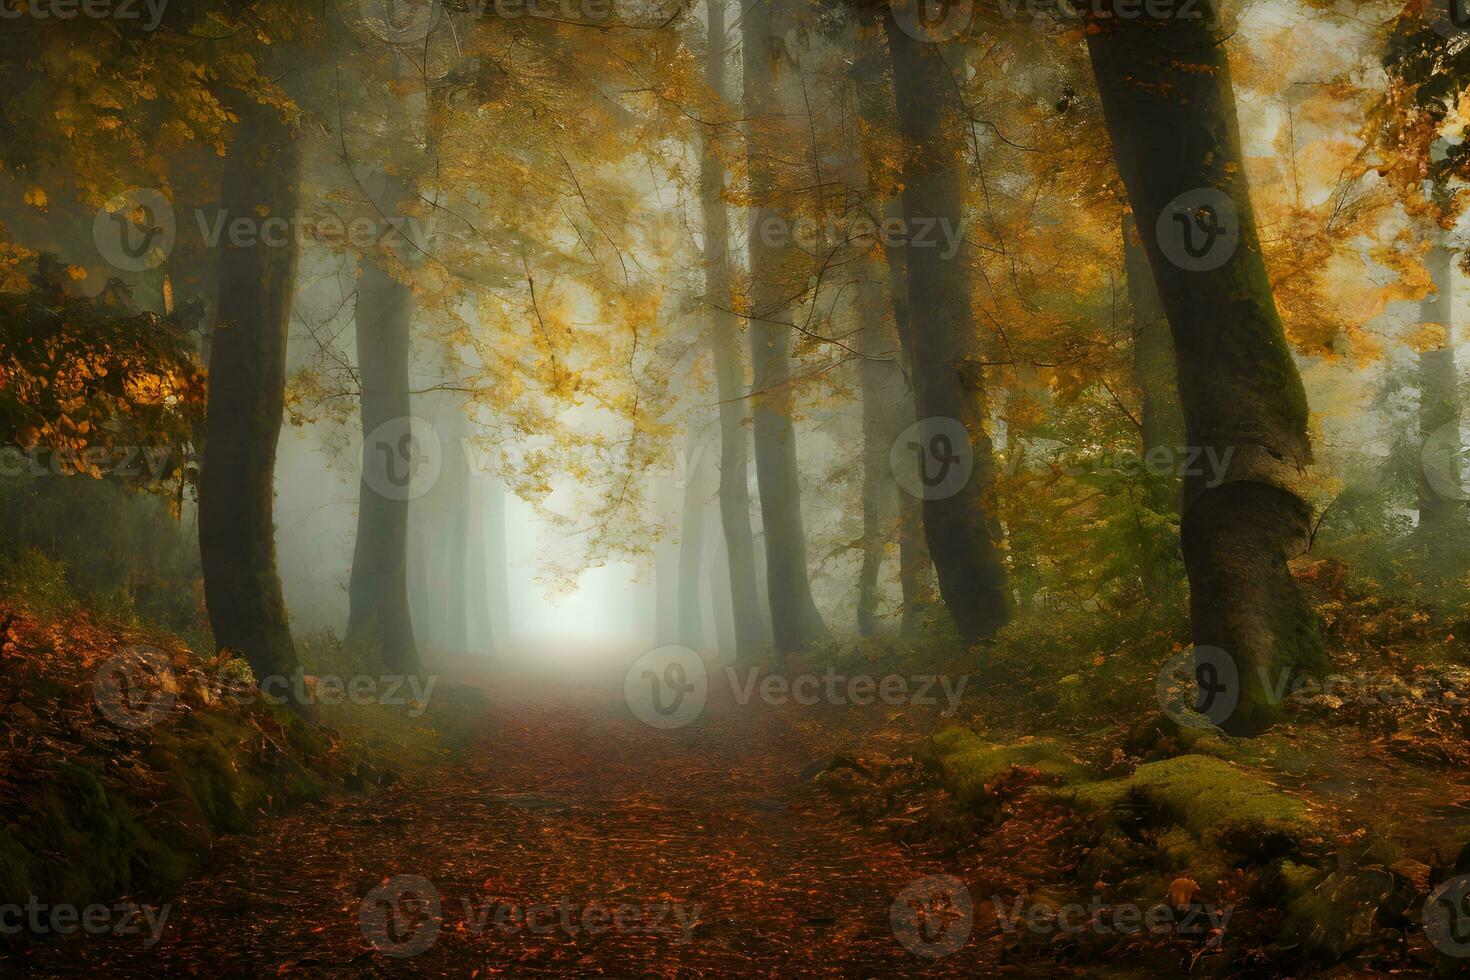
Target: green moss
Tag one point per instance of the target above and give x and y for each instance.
(1219, 803)
(971, 766)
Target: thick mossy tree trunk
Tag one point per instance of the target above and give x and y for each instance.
(1441, 507)
(379, 625)
(1170, 111)
(948, 382)
(795, 621)
(247, 387)
(729, 364)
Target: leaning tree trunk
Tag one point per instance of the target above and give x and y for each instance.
(795, 621)
(379, 625)
(247, 385)
(1170, 110)
(729, 364)
(1441, 504)
(948, 384)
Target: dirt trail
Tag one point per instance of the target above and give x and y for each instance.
(706, 842)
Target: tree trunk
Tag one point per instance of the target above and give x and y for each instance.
(455, 478)
(379, 625)
(1161, 421)
(883, 391)
(795, 621)
(914, 565)
(697, 492)
(729, 366)
(958, 524)
(482, 626)
(247, 379)
(1170, 110)
(1154, 370)
(1441, 507)
(497, 563)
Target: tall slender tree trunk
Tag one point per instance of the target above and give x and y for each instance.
(697, 493)
(666, 570)
(914, 565)
(497, 563)
(455, 479)
(482, 626)
(1441, 509)
(722, 610)
(247, 384)
(379, 624)
(883, 393)
(960, 528)
(795, 621)
(1170, 110)
(729, 364)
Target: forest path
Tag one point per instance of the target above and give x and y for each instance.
(645, 852)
